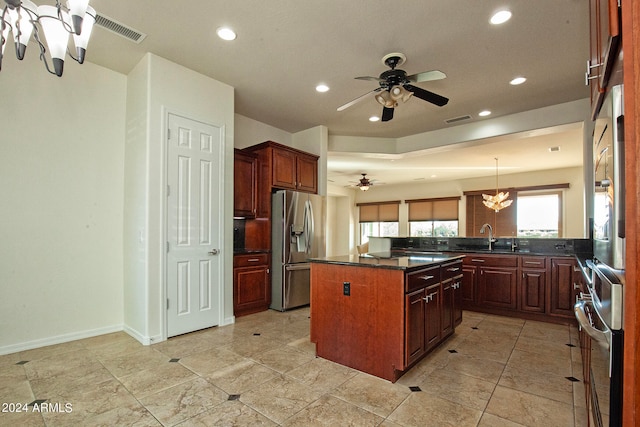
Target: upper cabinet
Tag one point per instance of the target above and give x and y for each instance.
(284, 168)
(604, 43)
(245, 179)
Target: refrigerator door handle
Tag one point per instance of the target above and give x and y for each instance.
(298, 266)
(308, 225)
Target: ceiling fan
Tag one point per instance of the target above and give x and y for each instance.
(364, 183)
(395, 86)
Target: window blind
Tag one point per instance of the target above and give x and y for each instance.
(379, 212)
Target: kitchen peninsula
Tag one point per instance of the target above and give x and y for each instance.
(381, 313)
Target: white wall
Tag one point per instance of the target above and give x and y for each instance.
(251, 132)
(159, 87)
(61, 214)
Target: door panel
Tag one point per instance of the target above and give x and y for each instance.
(194, 161)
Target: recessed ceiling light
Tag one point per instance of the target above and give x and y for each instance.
(322, 88)
(374, 118)
(500, 17)
(518, 81)
(434, 176)
(226, 33)
(484, 113)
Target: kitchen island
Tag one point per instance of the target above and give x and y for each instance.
(381, 313)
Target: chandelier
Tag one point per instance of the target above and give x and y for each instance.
(24, 19)
(500, 200)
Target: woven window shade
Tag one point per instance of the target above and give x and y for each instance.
(433, 210)
(379, 212)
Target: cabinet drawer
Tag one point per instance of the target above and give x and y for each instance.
(452, 269)
(420, 279)
(534, 262)
(492, 261)
(248, 260)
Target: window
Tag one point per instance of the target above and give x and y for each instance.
(540, 215)
(433, 217)
(535, 212)
(378, 220)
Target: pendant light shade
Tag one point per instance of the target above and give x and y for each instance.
(500, 200)
(77, 10)
(56, 34)
(82, 40)
(22, 20)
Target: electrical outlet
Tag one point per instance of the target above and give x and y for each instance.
(346, 288)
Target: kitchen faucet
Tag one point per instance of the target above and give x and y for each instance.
(491, 239)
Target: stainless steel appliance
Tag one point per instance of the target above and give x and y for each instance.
(600, 311)
(298, 233)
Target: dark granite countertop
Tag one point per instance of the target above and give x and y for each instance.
(391, 260)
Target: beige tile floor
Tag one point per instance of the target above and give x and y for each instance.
(262, 371)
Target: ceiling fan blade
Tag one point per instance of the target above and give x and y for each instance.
(387, 114)
(425, 95)
(373, 79)
(358, 99)
(426, 76)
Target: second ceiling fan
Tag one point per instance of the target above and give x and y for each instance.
(395, 86)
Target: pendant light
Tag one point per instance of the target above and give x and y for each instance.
(500, 200)
(25, 20)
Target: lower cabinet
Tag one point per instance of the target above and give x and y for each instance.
(251, 284)
(533, 284)
(562, 292)
(534, 287)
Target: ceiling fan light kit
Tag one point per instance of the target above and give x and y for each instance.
(364, 183)
(395, 85)
(25, 19)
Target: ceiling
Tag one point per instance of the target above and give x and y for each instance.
(285, 48)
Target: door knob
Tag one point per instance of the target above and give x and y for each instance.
(214, 252)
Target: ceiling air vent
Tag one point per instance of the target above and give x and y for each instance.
(120, 29)
(457, 119)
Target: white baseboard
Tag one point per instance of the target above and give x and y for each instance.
(228, 321)
(143, 339)
(59, 339)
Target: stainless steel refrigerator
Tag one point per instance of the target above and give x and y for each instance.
(298, 233)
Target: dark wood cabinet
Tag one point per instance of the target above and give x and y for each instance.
(533, 284)
(497, 280)
(468, 287)
(251, 283)
(527, 286)
(604, 28)
(387, 320)
(414, 325)
(283, 168)
(245, 179)
(562, 292)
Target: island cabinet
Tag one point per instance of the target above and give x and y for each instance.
(251, 283)
(382, 320)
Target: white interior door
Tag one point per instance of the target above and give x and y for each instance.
(193, 209)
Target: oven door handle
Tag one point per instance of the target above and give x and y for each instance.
(579, 309)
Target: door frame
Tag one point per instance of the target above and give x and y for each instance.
(166, 112)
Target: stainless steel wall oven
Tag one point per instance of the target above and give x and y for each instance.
(600, 310)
